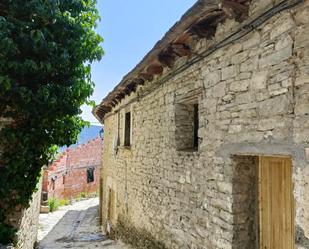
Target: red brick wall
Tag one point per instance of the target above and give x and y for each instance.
(70, 171)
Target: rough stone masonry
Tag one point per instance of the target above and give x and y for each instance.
(248, 97)
(25, 220)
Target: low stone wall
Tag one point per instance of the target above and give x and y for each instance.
(27, 221)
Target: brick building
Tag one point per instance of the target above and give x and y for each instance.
(76, 171)
(206, 138)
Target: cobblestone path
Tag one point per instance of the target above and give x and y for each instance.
(74, 226)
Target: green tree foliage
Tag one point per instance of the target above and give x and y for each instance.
(46, 50)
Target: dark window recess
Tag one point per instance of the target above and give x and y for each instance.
(187, 126)
(90, 175)
(127, 129)
(118, 131)
(195, 125)
(53, 184)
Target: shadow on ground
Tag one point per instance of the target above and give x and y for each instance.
(76, 229)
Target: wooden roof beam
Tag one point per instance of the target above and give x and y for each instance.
(237, 10)
(146, 76)
(139, 81)
(181, 49)
(132, 86)
(154, 68)
(206, 27)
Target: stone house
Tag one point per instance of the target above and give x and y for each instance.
(76, 171)
(207, 138)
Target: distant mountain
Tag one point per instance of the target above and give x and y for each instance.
(89, 133)
(86, 134)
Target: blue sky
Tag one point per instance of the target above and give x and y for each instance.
(130, 29)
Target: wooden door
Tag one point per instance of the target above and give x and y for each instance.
(276, 203)
(101, 200)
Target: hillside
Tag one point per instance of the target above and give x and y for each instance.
(86, 134)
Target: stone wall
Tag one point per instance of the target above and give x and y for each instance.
(29, 222)
(253, 98)
(25, 220)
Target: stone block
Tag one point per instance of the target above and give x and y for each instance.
(282, 25)
(253, 39)
(219, 90)
(226, 216)
(222, 204)
(301, 80)
(225, 187)
(307, 154)
(301, 37)
(301, 16)
(258, 80)
(44, 209)
(228, 72)
(302, 108)
(269, 124)
(250, 65)
(239, 86)
(182, 180)
(258, 6)
(284, 41)
(240, 57)
(245, 98)
(234, 129)
(211, 78)
(281, 104)
(278, 92)
(275, 57)
(188, 177)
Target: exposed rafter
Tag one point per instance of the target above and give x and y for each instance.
(199, 22)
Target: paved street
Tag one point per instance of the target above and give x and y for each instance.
(74, 226)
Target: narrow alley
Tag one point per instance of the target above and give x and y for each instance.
(74, 226)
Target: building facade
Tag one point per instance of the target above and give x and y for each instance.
(75, 172)
(207, 138)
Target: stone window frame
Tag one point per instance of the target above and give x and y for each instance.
(189, 100)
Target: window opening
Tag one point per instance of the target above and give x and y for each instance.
(127, 132)
(90, 174)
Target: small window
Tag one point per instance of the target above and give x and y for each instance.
(187, 126)
(118, 130)
(195, 125)
(90, 174)
(53, 184)
(127, 129)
